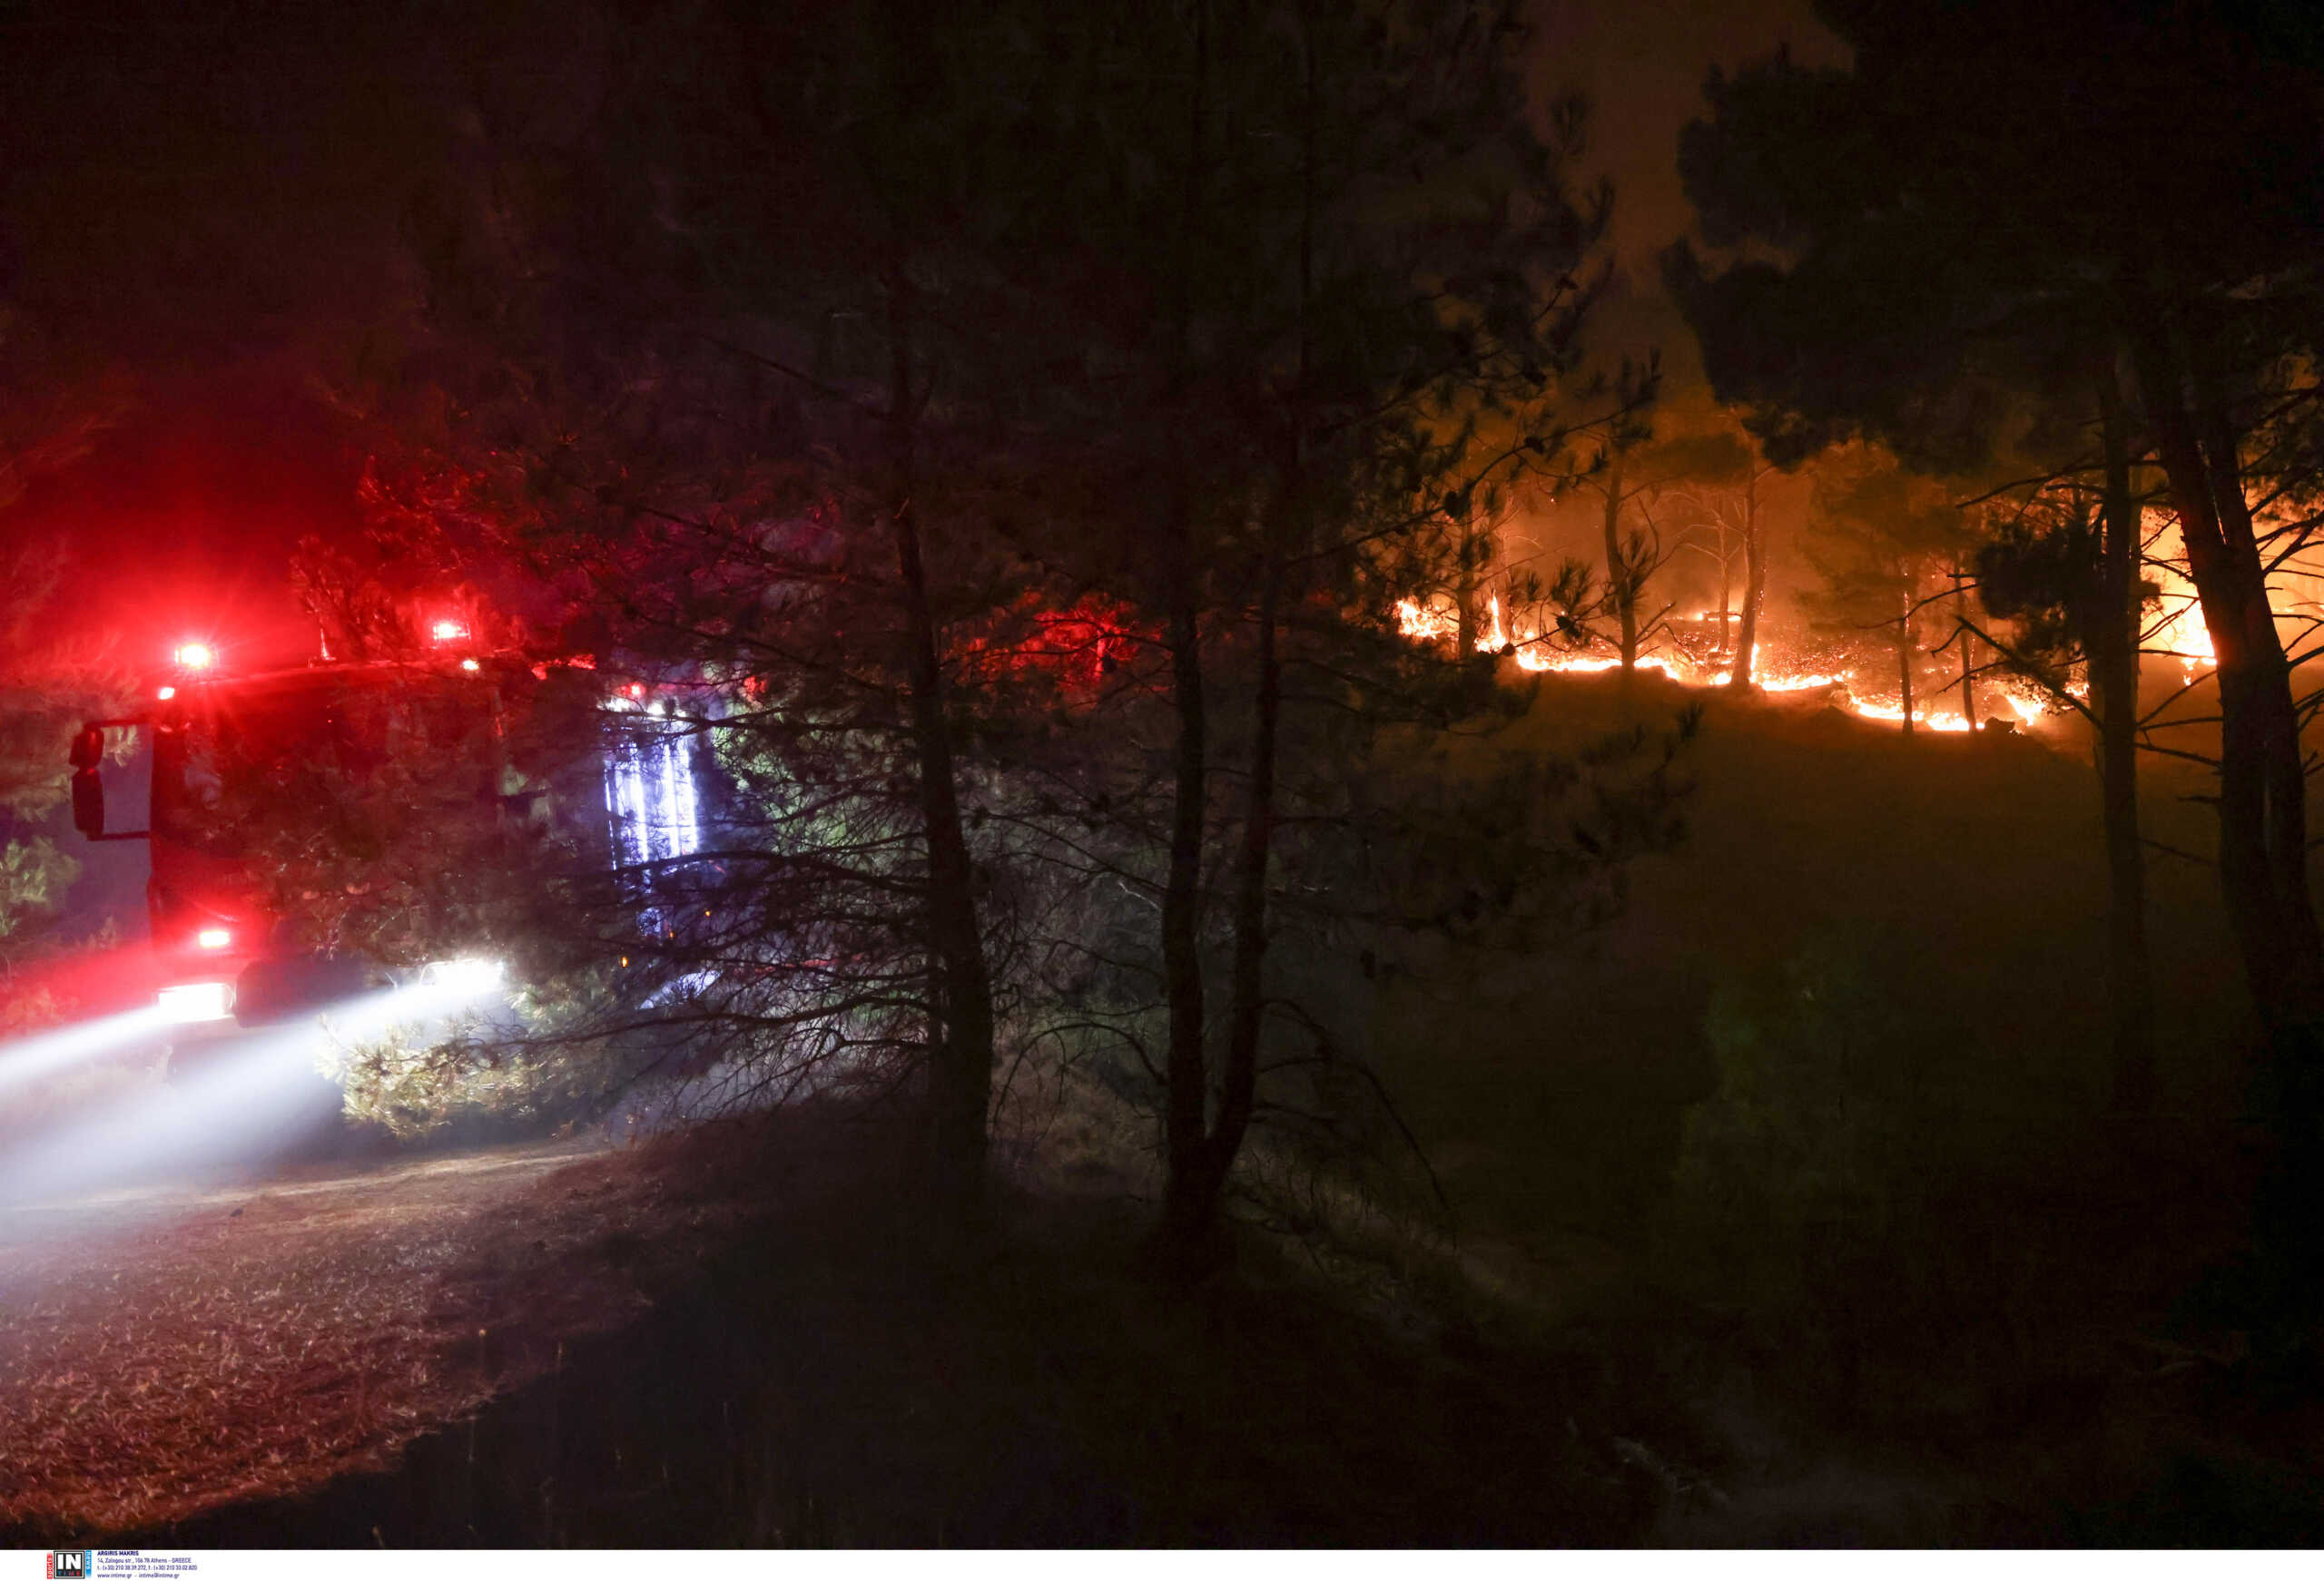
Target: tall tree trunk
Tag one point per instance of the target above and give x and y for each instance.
(1239, 1087)
(1726, 595)
(1968, 661)
(2262, 796)
(1969, 679)
(1908, 641)
(2262, 792)
(1185, 1124)
(1464, 593)
(1190, 1205)
(1198, 1180)
(960, 1061)
(1186, 1114)
(2113, 648)
(1755, 587)
(1622, 584)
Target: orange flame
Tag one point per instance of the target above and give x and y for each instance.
(1530, 650)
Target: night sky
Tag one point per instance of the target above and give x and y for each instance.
(207, 203)
(198, 203)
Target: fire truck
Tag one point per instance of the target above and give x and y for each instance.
(260, 774)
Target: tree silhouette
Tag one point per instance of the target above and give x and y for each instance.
(1987, 203)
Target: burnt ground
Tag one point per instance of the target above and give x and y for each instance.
(751, 1336)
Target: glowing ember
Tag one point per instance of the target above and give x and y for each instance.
(1424, 625)
(1592, 665)
(1895, 712)
(2185, 636)
(1494, 639)
(1537, 652)
(1779, 679)
(2182, 633)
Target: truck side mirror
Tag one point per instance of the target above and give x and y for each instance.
(88, 802)
(88, 747)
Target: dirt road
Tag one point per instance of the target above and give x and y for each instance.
(166, 1349)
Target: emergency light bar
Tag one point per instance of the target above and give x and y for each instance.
(213, 938)
(449, 630)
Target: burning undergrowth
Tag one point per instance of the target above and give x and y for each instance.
(1851, 670)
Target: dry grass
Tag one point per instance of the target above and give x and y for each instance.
(164, 1354)
(824, 1362)
(828, 1361)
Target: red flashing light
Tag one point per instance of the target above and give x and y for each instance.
(447, 630)
(195, 655)
(166, 693)
(470, 665)
(635, 689)
(213, 938)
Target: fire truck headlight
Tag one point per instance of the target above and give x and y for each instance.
(468, 975)
(195, 655)
(183, 1002)
(213, 938)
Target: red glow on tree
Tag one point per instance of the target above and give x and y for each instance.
(1079, 646)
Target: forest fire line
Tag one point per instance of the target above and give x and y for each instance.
(1531, 651)
(2175, 642)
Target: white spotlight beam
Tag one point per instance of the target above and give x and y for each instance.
(29, 1059)
(259, 1094)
